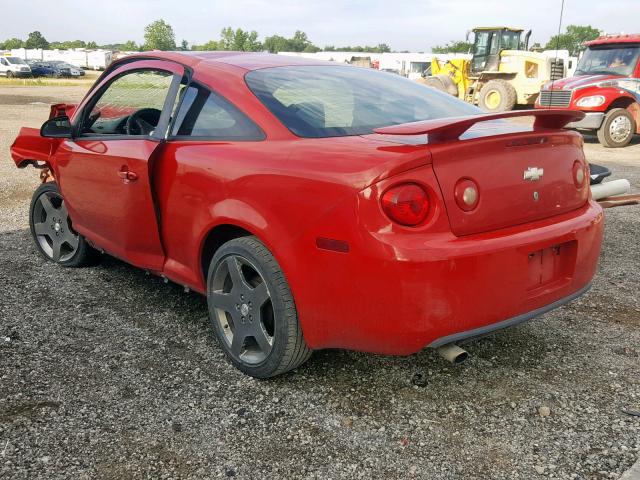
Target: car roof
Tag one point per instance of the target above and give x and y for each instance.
(243, 60)
(609, 39)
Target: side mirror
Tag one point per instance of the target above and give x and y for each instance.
(57, 127)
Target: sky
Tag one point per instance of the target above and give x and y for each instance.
(414, 25)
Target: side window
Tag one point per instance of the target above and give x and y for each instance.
(494, 43)
(482, 42)
(4, 62)
(205, 114)
(131, 105)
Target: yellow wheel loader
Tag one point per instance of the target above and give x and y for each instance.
(501, 74)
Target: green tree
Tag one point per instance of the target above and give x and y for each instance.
(277, 43)
(239, 40)
(380, 48)
(159, 35)
(91, 45)
(184, 45)
(209, 46)
(298, 43)
(12, 43)
(573, 38)
(36, 40)
(129, 46)
(459, 46)
(66, 45)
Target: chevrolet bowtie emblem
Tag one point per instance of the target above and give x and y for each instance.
(533, 174)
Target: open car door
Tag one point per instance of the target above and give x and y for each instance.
(103, 171)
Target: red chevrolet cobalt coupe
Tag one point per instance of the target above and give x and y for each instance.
(316, 205)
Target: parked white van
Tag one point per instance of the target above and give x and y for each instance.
(14, 67)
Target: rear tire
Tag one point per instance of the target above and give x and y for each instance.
(52, 230)
(618, 128)
(252, 310)
(497, 96)
(9, 74)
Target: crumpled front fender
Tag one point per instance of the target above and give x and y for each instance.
(29, 147)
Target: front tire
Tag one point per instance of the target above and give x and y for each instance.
(53, 232)
(497, 96)
(252, 310)
(618, 128)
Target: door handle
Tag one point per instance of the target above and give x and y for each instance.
(127, 175)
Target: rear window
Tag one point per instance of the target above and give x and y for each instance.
(330, 101)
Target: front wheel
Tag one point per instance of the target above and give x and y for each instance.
(497, 96)
(618, 128)
(53, 232)
(252, 310)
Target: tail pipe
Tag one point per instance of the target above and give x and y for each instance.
(452, 353)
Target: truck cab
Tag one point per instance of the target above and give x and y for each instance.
(14, 67)
(606, 86)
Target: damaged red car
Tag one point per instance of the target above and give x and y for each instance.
(317, 205)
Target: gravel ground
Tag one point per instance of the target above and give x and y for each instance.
(108, 373)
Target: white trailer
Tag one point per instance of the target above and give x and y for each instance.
(99, 59)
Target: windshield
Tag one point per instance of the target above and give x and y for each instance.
(614, 60)
(15, 60)
(319, 101)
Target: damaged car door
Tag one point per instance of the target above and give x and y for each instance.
(104, 169)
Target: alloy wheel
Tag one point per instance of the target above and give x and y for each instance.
(241, 304)
(52, 228)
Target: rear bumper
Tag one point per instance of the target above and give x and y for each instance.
(398, 293)
(591, 121)
(511, 322)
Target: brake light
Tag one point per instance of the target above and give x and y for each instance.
(578, 174)
(406, 204)
(466, 194)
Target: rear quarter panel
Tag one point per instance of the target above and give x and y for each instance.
(278, 190)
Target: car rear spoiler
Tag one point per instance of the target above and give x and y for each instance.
(445, 129)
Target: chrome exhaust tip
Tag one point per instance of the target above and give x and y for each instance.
(452, 353)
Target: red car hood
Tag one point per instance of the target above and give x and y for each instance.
(570, 83)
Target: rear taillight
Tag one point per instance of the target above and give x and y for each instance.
(466, 194)
(579, 174)
(406, 204)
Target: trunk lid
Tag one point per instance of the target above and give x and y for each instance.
(498, 166)
(522, 173)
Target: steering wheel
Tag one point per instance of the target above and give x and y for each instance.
(143, 122)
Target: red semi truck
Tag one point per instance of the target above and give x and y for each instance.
(606, 86)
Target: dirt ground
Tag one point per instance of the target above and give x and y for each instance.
(108, 373)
